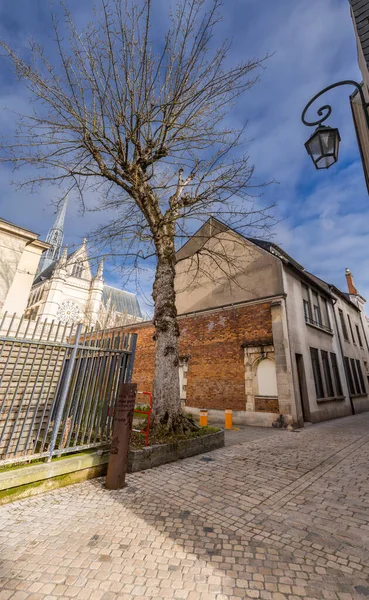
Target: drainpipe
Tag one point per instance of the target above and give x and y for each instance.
(343, 356)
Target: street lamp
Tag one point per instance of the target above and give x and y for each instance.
(323, 145)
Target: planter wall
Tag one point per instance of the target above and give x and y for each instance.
(154, 456)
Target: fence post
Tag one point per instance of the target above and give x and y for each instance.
(64, 393)
(133, 345)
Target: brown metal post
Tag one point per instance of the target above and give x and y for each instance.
(122, 428)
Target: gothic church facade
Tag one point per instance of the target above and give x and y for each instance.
(66, 290)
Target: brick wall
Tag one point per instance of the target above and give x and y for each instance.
(212, 340)
(269, 405)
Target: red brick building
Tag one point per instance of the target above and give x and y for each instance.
(211, 348)
(271, 342)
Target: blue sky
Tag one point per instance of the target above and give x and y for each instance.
(322, 215)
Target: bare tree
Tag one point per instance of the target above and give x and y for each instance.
(146, 120)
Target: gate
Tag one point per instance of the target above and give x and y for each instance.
(58, 386)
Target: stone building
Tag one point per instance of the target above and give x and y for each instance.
(20, 252)
(66, 290)
(269, 340)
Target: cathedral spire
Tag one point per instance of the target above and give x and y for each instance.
(55, 238)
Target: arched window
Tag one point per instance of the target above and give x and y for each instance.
(266, 378)
(77, 269)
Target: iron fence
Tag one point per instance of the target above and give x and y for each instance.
(58, 386)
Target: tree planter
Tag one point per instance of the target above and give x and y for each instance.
(160, 454)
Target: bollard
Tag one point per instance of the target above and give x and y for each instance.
(228, 419)
(203, 418)
(122, 427)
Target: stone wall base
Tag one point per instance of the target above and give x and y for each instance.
(361, 404)
(331, 410)
(33, 488)
(240, 417)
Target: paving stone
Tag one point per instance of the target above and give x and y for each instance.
(273, 516)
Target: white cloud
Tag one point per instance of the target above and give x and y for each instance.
(324, 214)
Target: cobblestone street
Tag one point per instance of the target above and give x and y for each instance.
(283, 516)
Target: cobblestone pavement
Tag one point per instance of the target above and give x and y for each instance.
(241, 433)
(280, 517)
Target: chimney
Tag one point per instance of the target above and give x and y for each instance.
(350, 283)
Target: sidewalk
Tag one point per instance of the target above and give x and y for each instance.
(284, 516)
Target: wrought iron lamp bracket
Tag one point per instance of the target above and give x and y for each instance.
(325, 111)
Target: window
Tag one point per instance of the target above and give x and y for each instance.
(325, 312)
(33, 314)
(351, 330)
(183, 368)
(336, 375)
(266, 378)
(361, 378)
(358, 335)
(316, 309)
(317, 373)
(355, 376)
(306, 301)
(77, 269)
(343, 324)
(327, 374)
(349, 376)
(38, 295)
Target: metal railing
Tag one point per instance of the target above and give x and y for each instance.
(58, 386)
(318, 324)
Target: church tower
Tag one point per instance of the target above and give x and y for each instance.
(55, 238)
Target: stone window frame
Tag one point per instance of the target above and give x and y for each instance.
(183, 364)
(253, 355)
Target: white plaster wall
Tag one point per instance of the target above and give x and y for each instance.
(17, 297)
(266, 378)
(352, 348)
(302, 338)
(208, 280)
(18, 265)
(11, 250)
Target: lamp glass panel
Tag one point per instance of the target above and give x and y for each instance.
(315, 147)
(327, 140)
(324, 162)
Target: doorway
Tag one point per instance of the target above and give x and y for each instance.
(304, 397)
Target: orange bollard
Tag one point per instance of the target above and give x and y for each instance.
(203, 418)
(228, 419)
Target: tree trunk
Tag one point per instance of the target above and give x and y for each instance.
(167, 403)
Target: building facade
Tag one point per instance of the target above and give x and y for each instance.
(20, 252)
(269, 340)
(66, 290)
(360, 19)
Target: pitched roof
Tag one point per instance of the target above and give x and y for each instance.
(360, 11)
(28, 233)
(124, 302)
(46, 273)
(273, 249)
